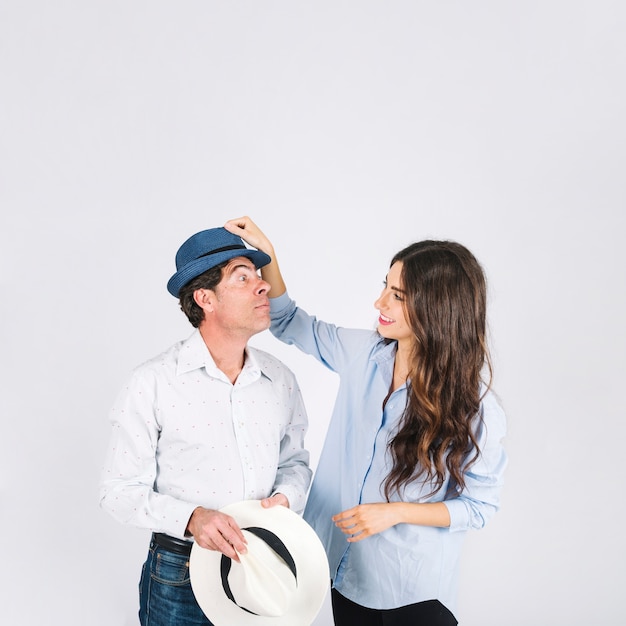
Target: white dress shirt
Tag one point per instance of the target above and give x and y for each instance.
(184, 436)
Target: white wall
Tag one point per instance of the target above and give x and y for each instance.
(346, 129)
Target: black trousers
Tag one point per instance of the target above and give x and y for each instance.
(429, 613)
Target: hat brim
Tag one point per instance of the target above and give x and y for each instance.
(198, 266)
(313, 578)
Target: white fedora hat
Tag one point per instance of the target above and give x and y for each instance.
(281, 580)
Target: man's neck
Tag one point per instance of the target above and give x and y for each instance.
(227, 352)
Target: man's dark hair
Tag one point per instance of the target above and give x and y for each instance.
(207, 280)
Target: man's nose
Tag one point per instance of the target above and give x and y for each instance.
(263, 287)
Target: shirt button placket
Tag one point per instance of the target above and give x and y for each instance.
(239, 426)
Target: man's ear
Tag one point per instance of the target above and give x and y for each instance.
(204, 298)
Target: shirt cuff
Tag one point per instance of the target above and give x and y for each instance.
(178, 518)
(293, 494)
(459, 515)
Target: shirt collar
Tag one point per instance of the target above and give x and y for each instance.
(384, 358)
(194, 354)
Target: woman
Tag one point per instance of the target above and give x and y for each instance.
(413, 455)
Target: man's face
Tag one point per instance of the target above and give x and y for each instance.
(240, 303)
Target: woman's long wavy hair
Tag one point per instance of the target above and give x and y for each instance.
(445, 305)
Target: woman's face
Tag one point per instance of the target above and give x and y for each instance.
(392, 322)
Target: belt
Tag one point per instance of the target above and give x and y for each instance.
(179, 546)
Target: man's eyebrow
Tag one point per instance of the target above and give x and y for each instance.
(233, 266)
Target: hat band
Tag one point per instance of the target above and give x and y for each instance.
(224, 249)
(274, 543)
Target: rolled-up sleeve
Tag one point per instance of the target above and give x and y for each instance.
(480, 499)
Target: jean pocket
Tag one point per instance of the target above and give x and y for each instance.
(170, 568)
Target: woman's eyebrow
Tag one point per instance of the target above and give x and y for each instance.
(386, 281)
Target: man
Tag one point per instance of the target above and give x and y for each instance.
(209, 422)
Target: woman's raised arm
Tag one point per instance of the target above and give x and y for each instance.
(245, 228)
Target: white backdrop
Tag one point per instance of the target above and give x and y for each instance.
(346, 129)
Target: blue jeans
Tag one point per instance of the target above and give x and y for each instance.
(165, 594)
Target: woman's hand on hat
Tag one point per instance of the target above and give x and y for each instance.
(215, 530)
(245, 228)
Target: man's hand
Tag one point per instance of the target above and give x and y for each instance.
(214, 530)
(276, 500)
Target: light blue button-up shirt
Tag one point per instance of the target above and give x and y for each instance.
(406, 563)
